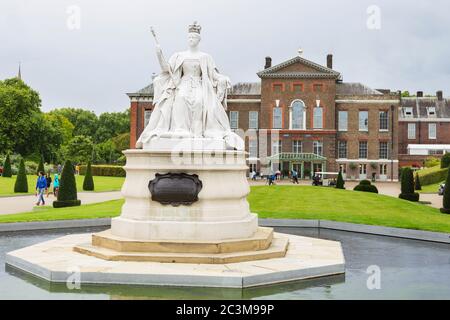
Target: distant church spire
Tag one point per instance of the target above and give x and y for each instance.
(19, 74)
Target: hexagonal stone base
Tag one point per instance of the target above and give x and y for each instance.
(55, 261)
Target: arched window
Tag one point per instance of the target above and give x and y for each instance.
(298, 115)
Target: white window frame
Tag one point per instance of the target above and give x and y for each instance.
(234, 119)
(318, 118)
(340, 120)
(297, 146)
(380, 120)
(340, 144)
(253, 119)
(277, 147)
(432, 135)
(253, 148)
(383, 169)
(383, 153)
(147, 116)
(275, 118)
(431, 112)
(365, 127)
(361, 143)
(408, 112)
(318, 146)
(411, 131)
(293, 124)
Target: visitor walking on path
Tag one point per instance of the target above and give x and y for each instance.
(49, 183)
(294, 177)
(56, 185)
(41, 185)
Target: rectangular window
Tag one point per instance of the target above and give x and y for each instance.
(363, 169)
(297, 87)
(276, 147)
(408, 112)
(277, 118)
(383, 169)
(253, 120)
(318, 118)
(364, 121)
(277, 87)
(297, 146)
(432, 131)
(363, 149)
(342, 149)
(431, 111)
(343, 121)
(234, 119)
(384, 150)
(411, 130)
(384, 121)
(253, 148)
(147, 115)
(317, 87)
(318, 148)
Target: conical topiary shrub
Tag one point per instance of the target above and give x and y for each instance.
(7, 172)
(408, 186)
(88, 183)
(340, 181)
(41, 167)
(446, 201)
(21, 184)
(67, 194)
(417, 184)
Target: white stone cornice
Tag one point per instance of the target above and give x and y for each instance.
(368, 101)
(434, 120)
(366, 160)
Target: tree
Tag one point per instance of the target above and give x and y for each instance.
(405, 94)
(417, 185)
(445, 161)
(40, 167)
(85, 122)
(7, 172)
(112, 124)
(67, 194)
(88, 183)
(340, 181)
(21, 184)
(79, 149)
(18, 106)
(446, 201)
(407, 186)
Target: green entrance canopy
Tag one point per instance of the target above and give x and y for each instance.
(285, 156)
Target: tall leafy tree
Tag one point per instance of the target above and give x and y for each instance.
(18, 104)
(112, 124)
(79, 149)
(85, 122)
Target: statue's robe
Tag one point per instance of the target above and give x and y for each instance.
(214, 90)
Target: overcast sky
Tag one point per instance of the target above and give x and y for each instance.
(112, 51)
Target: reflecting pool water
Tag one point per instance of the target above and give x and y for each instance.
(409, 269)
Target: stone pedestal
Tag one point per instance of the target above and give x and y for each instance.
(221, 212)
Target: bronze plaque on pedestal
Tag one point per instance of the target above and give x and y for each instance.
(175, 188)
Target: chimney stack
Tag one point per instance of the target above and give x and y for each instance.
(440, 95)
(268, 62)
(330, 61)
(419, 94)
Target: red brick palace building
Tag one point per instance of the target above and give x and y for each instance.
(302, 115)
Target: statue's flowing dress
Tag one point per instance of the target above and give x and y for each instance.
(190, 101)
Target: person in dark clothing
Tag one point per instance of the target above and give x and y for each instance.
(49, 183)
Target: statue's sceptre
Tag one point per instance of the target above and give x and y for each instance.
(162, 59)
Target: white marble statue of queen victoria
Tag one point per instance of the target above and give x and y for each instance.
(190, 98)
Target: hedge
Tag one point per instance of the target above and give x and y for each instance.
(340, 181)
(366, 186)
(446, 200)
(407, 186)
(67, 194)
(21, 184)
(7, 172)
(88, 183)
(104, 170)
(445, 161)
(432, 176)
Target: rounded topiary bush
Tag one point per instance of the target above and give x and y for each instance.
(340, 181)
(88, 183)
(67, 194)
(366, 186)
(7, 171)
(21, 184)
(407, 186)
(445, 161)
(446, 201)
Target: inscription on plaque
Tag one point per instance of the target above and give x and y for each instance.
(175, 188)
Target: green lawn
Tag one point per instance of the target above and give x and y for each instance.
(431, 188)
(101, 184)
(293, 202)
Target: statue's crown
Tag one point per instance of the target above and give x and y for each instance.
(195, 27)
